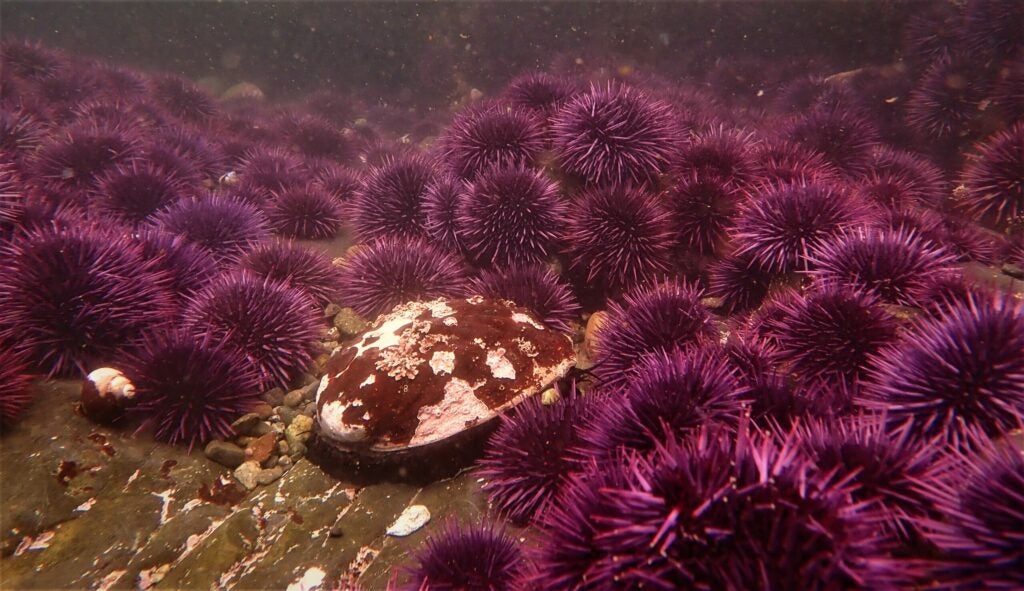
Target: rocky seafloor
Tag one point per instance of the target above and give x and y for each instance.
(755, 326)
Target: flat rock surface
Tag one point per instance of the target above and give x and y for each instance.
(85, 506)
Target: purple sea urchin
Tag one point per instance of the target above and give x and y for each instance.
(468, 557)
(135, 191)
(961, 370)
(720, 153)
(923, 182)
(390, 203)
(779, 227)
(384, 273)
(191, 390)
(619, 237)
(492, 135)
(72, 160)
(845, 138)
(316, 137)
(615, 135)
(739, 284)
(306, 212)
(74, 298)
(273, 326)
(297, 266)
(891, 264)
(526, 460)
(225, 226)
(183, 99)
(669, 394)
(264, 171)
(703, 209)
(995, 178)
(830, 334)
(15, 394)
(188, 265)
(782, 161)
(982, 529)
(441, 206)
(648, 319)
(943, 105)
(540, 92)
(534, 287)
(510, 215)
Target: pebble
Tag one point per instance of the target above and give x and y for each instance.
(549, 397)
(264, 410)
(225, 453)
(331, 310)
(259, 449)
(349, 323)
(247, 474)
(300, 425)
(274, 397)
(336, 531)
(269, 475)
(298, 450)
(270, 462)
(411, 520)
(293, 398)
(309, 390)
(282, 447)
(243, 425)
(309, 409)
(284, 462)
(261, 429)
(287, 414)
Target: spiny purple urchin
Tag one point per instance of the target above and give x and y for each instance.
(339, 182)
(783, 161)
(441, 205)
(539, 92)
(510, 215)
(648, 319)
(225, 226)
(306, 212)
(921, 181)
(703, 208)
(183, 99)
(992, 30)
(739, 284)
(31, 60)
(384, 273)
(886, 467)
(526, 460)
(668, 394)
(491, 135)
(891, 190)
(316, 137)
(995, 178)
(15, 394)
(273, 326)
(135, 191)
(296, 266)
(961, 370)
(264, 171)
(782, 225)
(20, 134)
(944, 103)
(188, 265)
(844, 137)
(831, 334)
(74, 298)
(619, 237)
(390, 203)
(982, 527)
(891, 264)
(933, 34)
(534, 287)
(195, 147)
(72, 160)
(720, 153)
(481, 556)
(190, 390)
(615, 135)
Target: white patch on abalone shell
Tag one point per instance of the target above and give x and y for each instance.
(324, 381)
(450, 321)
(527, 348)
(333, 425)
(475, 300)
(442, 362)
(411, 520)
(525, 319)
(370, 379)
(501, 367)
(311, 580)
(459, 407)
(439, 308)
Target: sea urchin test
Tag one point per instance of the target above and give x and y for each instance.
(428, 371)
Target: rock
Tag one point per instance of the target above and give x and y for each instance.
(225, 453)
(586, 360)
(428, 371)
(282, 447)
(298, 430)
(549, 397)
(284, 462)
(247, 473)
(309, 390)
(336, 531)
(244, 424)
(331, 310)
(293, 398)
(243, 90)
(274, 397)
(287, 414)
(270, 462)
(410, 521)
(264, 410)
(308, 409)
(259, 449)
(261, 429)
(298, 450)
(349, 323)
(269, 475)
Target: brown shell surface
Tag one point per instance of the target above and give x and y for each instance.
(429, 370)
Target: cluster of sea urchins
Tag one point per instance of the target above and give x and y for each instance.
(791, 352)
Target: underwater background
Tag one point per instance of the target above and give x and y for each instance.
(512, 295)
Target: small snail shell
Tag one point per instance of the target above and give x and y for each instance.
(105, 394)
(111, 383)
